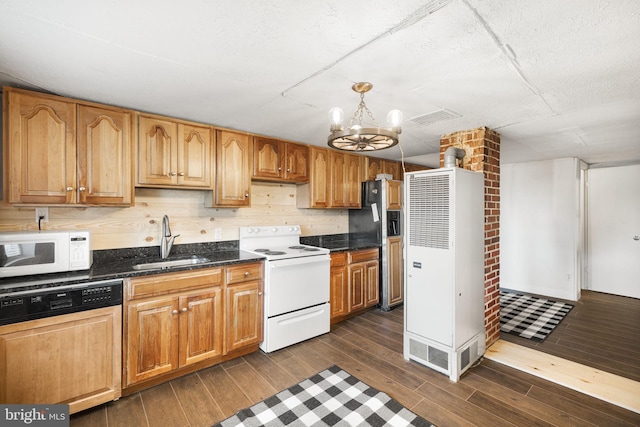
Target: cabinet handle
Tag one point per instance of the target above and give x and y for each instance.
(288, 170)
(246, 195)
(174, 312)
(279, 169)
(181, 174)
(246, 274)
(82, 188)
(259, 294)
(171, 174)
(184, 309)
(69, 188)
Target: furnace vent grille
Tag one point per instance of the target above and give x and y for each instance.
(434, 117)
(429, 211)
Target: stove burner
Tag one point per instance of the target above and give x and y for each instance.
(262, 250)
(275, 252)
(296, 247)
(311, 249)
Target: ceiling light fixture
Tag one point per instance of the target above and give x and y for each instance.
(358, 137)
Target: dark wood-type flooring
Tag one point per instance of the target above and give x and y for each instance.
(601, 331)
(370, 348)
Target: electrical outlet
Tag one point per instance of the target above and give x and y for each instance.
(42, 212)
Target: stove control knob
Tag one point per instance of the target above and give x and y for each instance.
(275, 230)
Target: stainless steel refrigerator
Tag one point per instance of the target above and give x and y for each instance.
(374, 223)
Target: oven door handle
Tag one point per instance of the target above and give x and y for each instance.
(299, 261)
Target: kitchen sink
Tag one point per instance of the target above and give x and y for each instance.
(159, 265)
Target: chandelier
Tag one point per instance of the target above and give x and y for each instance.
(357, 137)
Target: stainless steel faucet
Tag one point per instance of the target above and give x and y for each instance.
(166, 240)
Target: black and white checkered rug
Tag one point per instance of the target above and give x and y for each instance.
(329, 398)
(530, 317)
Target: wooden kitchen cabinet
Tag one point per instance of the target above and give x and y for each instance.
(63, 152)
(338, 285)
(171, 321)
(354, 282)
(364, 282)
(72, 358)
(174, 153)
(374, 166)
(345, 173)
(394, 195)
(233, 173)
(394, 272)
(275, 160)
(244, 305)
(317, 193)
(179, 322)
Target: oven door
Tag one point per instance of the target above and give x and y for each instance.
(296, 283)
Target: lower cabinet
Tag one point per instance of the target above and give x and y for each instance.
(72, 358)
(355, 281)
(177, 322)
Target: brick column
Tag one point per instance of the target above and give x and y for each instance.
(482, 147)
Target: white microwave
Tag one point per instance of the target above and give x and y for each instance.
(25, 253)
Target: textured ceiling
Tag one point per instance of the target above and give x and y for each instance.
(555, 78)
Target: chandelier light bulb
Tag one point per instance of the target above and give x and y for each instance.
(394, 118)
(336, 116)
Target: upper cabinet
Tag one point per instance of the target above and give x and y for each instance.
(394, 195)
(174, 153)
(346, 172)
(374, 166)
(233, 173)
(275, 160)
(316, 194)
(63, 152)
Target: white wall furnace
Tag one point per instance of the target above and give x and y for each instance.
(444, 269)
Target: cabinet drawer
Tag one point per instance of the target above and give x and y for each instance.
(363, 255)
(338, 259)
(161, 284)
(244, 272)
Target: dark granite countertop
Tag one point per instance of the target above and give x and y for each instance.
(118, 264)
(339, 242)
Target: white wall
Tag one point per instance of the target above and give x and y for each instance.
(541, 239)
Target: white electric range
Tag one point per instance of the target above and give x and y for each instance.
(296, 288)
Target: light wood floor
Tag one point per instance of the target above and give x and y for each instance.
(370, 348)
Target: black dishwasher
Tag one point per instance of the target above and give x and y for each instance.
(23, 305)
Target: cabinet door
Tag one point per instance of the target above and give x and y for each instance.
(357, 280)
(320, 178)
(394, 195)
(72, 358)
(194, 156)
(157, 151)
(152, 338)
(41, 149)
(338, 285)
(392, 168)
(244, 315)
(395, 274)
(296, 162)
(104, 146)
(353, 187)
(233, 177)
(268, 157)
(201, 326)
(372, 283)
(373, 167)
(338, 179)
